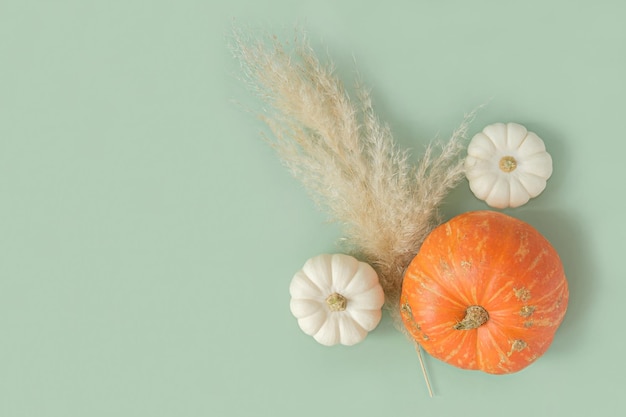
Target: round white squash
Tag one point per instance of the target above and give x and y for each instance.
(336, 299)
(507, 165)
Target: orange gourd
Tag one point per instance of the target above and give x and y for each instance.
(486, 291)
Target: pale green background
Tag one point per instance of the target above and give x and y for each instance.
(148, 235)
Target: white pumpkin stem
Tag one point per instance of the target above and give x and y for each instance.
(336, 302)
(507, 164)
(418, 348)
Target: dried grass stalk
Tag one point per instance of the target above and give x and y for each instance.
(347, 159)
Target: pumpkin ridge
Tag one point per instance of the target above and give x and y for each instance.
(346, 331)
(300, 304)
(536, 261)
(312, 323)
(538, 327)
(360, 277)
(329, 330)
(480, 285)
(562, 287)
(460, 347)
(426, 332)
(319, 268)
(482, 144)
(502, 354)
(517, 181)
(441, 328)
(303, 288)
(519, 145)
(545, 294)
(538, 339)
(442, 294)
(503, 317)
(463, 286)
(502, 321)
(490, 302)
(533, 153)
(343, 268)
(306, 277)
(440, 290)
(454, 294)
(479, 351)
(493, 194)
(453, 264)
(372, 299)
(442, 334)
(356, 321)
(532, 174)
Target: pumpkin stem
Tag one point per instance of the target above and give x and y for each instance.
(475, 316)
(336, 302)
(508, 164)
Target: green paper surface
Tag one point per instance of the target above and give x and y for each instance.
(148, 234)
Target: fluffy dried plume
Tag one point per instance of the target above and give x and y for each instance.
(347, 158)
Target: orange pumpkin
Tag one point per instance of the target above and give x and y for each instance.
(486, 291)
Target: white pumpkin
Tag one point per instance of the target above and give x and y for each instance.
(507, 165)
(336, 299)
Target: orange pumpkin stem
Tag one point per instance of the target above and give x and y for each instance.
(475, 316)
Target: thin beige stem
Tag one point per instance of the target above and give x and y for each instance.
(418, 348)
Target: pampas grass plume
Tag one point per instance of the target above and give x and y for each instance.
(347, 158)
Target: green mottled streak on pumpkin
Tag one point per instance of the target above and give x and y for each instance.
(527, 311)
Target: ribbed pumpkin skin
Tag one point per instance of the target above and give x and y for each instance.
(488, 259)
